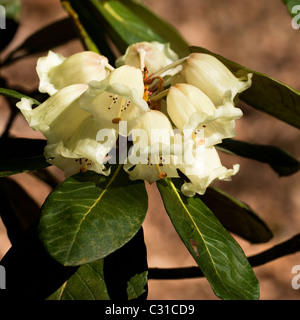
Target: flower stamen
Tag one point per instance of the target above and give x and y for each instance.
(161, 174)
(84, 163)
(123, 107)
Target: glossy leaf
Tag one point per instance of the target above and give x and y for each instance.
(159, 26)
(130, 281)
(21, 155)
(123, 26)
(86, 39)
(90, 216)
(218, 255)
(87, 283)
(236, 216)
(104, 279)
(136, 285)
(290, 5)
(88, 24)
(266, 94)
(280, 160)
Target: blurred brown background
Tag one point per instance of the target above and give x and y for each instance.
(257, 34)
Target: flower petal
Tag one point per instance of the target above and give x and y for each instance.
(56, 72)
(72, 165)
(184, 100)
(191, 111)
(214, 78)
(120, 96)
(59, 116)
(150, 172)
(206, 169)
(153, 55)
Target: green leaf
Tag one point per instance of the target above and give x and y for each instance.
(280, 160)
(236, 216)
(123, 26)
(21, 155)
(290, 5)
(218, 255)
(87, 22)
(86, 39)
(12, 8)
(266, 94)
(160, 27)
(130, 281)
(136, 285)
(17, 95)
(87, 283)
(124, 23)
(89, 216)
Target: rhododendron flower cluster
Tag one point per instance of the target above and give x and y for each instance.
(174, 111)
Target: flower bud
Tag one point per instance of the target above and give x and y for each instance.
(193, 113)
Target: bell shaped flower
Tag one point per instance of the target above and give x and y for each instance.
(152, 55)
(56, 72)
(205, 170)
(196, 116)
(117, 98)
(151, 155)
(151, 172)
(213, 78)
(70, 131)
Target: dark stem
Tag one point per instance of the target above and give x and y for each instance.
(285, 248)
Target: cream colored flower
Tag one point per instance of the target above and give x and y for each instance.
(153, 55)
(56, 72)
(206, 169)
(151, 156)
(194, 113)
(117, 98)
(152, 172)
(213, 78)
(70, 131)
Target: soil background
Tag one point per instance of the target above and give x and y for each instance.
(257, 34)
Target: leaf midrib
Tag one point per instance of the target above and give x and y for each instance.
(91, 207)
(195, 225)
